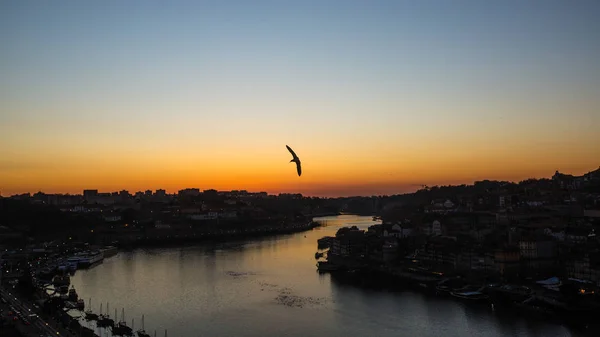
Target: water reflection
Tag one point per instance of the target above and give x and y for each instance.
(270, 287)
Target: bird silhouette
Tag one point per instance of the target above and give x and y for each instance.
(295, 160)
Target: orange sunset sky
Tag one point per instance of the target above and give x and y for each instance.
(374, 99)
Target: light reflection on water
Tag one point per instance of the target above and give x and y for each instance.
(270, 287)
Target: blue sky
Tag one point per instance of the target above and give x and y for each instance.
(361, 73)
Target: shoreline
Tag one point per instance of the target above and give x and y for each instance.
(173, 240)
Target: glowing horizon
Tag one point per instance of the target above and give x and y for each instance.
(375, 98)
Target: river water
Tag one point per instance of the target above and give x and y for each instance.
(270, 287)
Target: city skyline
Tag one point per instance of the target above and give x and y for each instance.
(375, 98)
(327, 194)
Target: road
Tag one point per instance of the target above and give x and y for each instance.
(26, 309)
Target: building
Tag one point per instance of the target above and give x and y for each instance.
(507, 261)
(349, 242)
(586, 267)
(538, 254)
(189, 192)
(440, 252)
(433, 228)
(88, 194)
(398, 230)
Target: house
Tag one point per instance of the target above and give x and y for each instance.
(441, 205)
(432, 228)
(398, 230)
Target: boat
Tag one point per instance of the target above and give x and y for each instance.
(507, 293)
(89, 315)
(141, 332)
(318, 255)
(109, 251)
(121, 328)
(73, 294)
(449, 285)
(70, 305)
(59, 280)
(470, 293)
(46, 273)
(89, 258)
(72, 263)
(104, 320)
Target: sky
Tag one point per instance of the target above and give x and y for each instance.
(375, 97)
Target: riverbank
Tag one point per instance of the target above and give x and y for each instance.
(530, 300)
(172, 239)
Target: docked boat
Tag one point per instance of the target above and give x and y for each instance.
(449, 285)
(73, 294)
(121, 328)
(109, 251)
(508, 293)
(60, 280)
(47, 272)
(142, 332)
(73, 262)
(89, 315)
(89, 258)
(470, 293)
(70, 305)
(104, 320)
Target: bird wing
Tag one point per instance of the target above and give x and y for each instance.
(299, 168)
(291, 151)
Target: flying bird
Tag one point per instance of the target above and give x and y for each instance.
(295, 160)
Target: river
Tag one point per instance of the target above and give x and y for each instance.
(270, 287)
